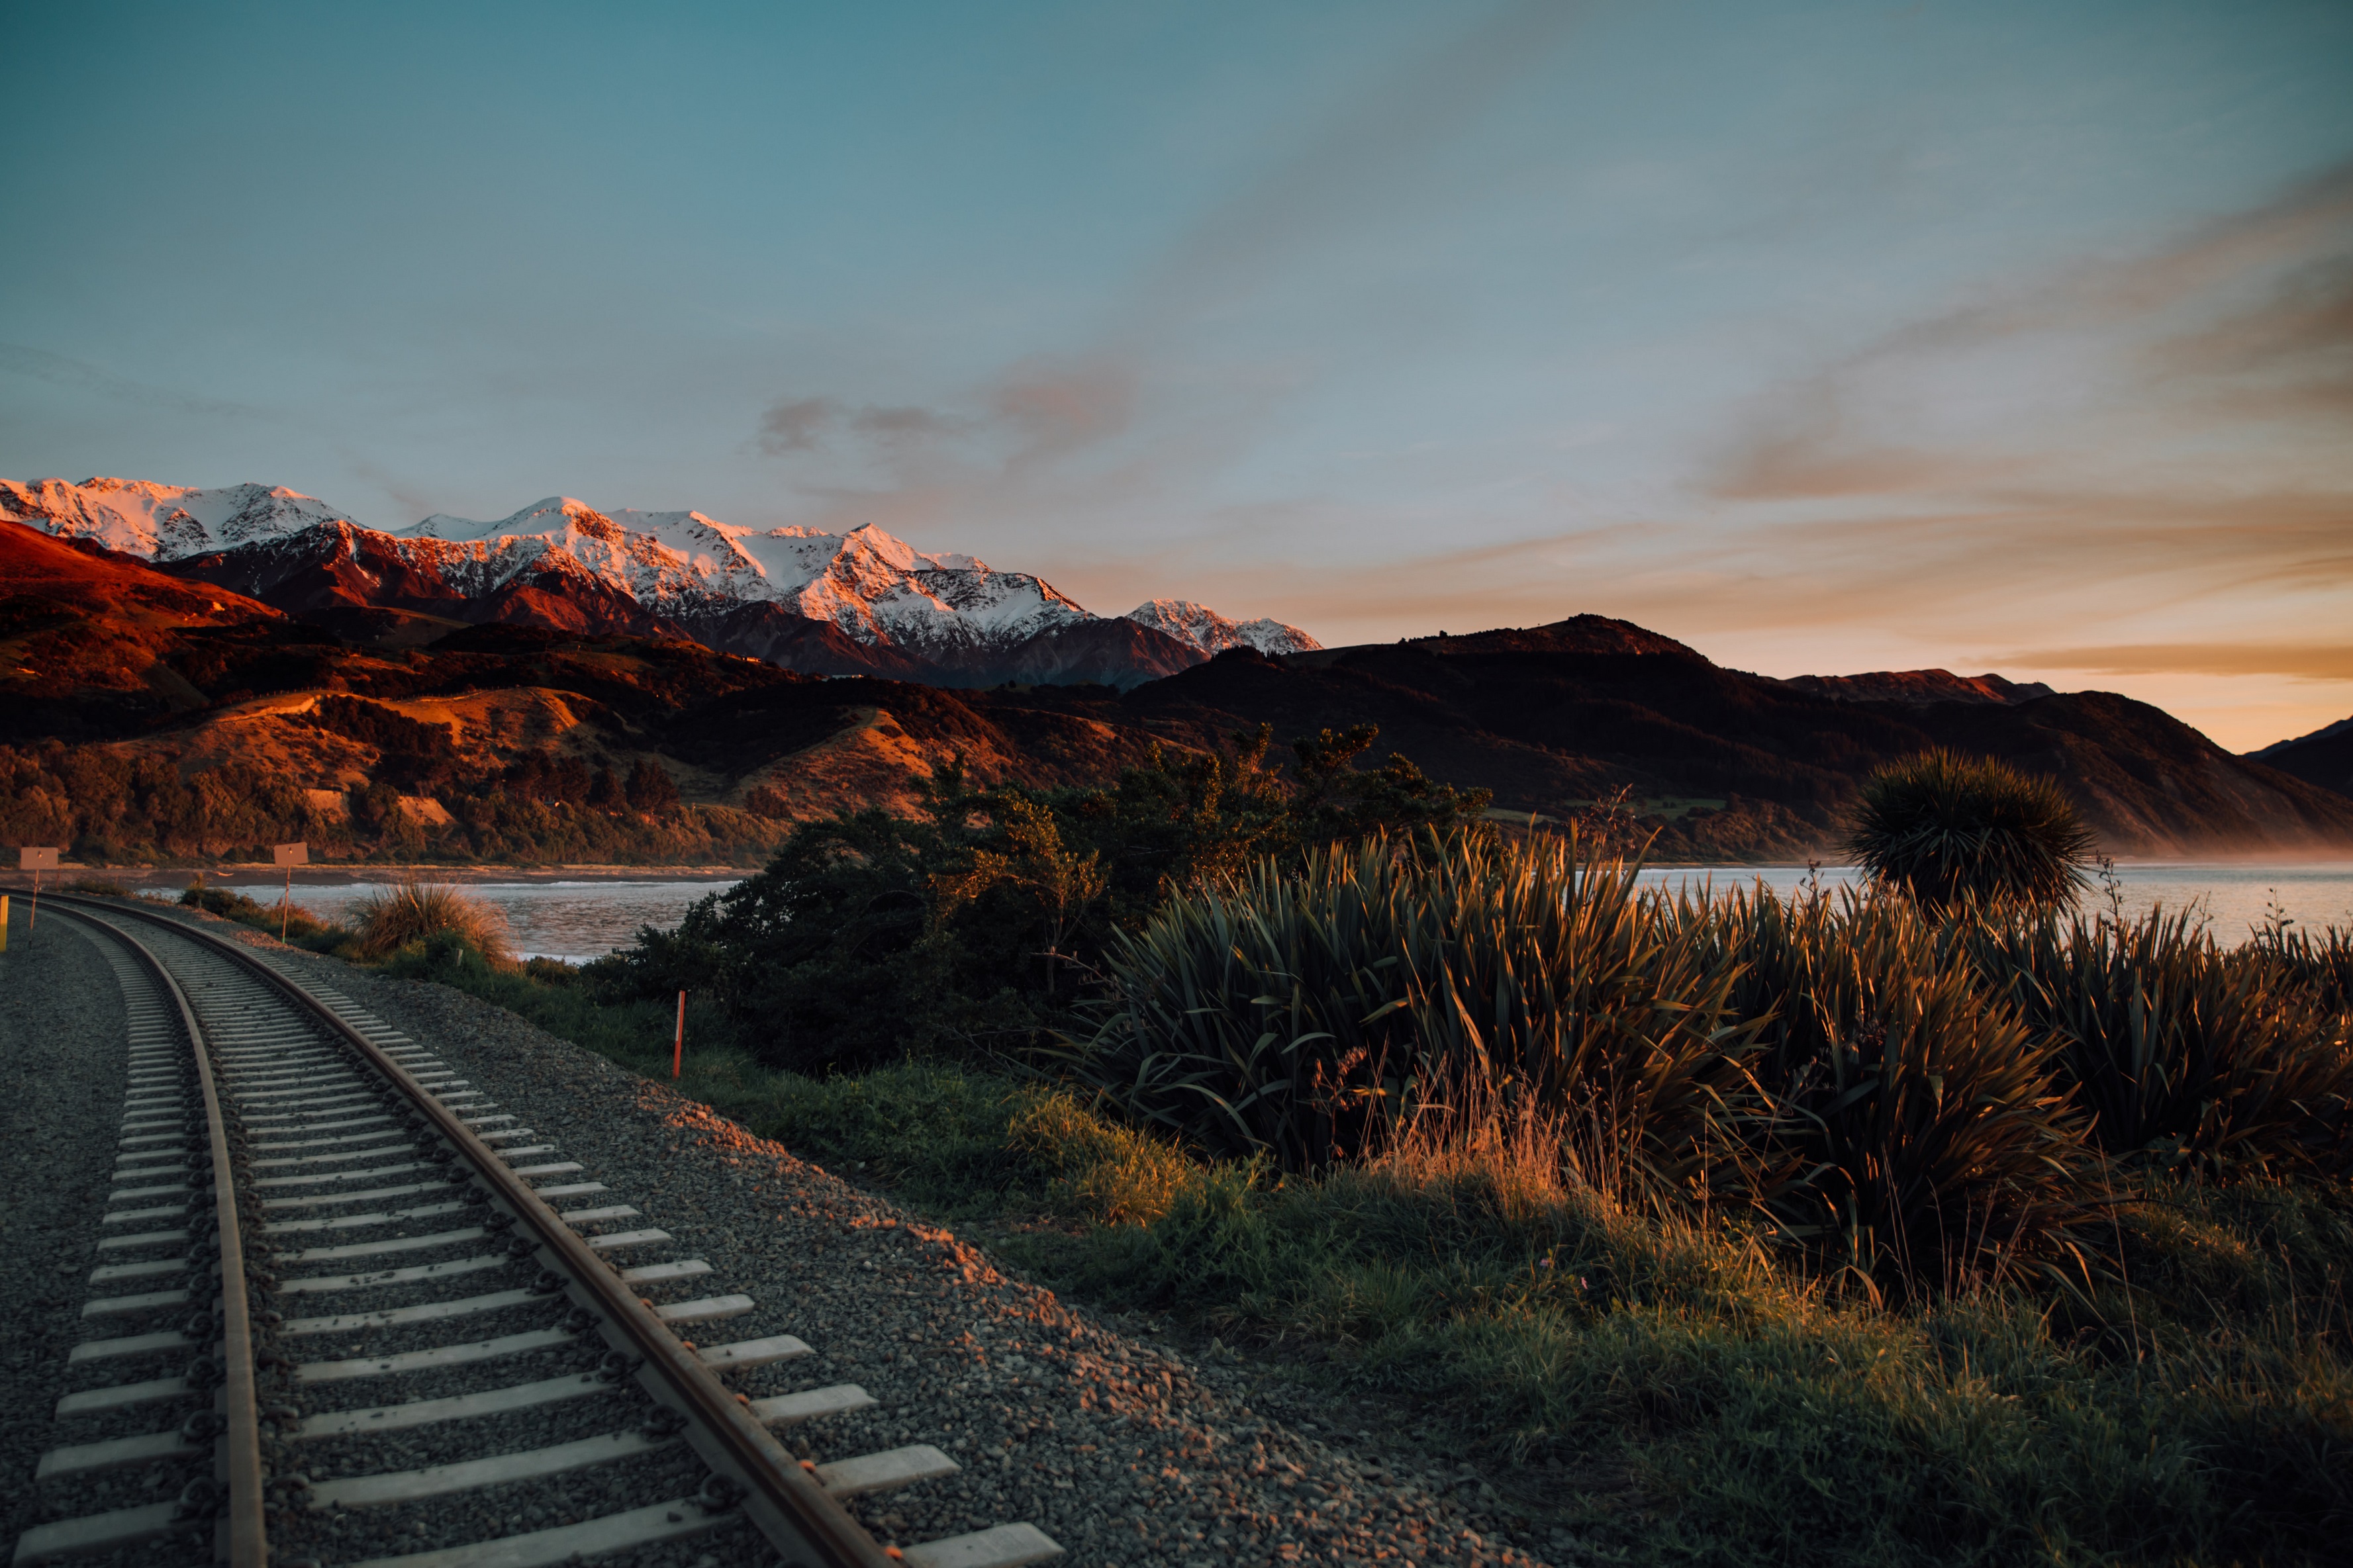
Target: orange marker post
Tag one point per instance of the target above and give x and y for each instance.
(677, 1045)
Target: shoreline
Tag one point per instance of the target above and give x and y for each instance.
(347, 873)
(334, 874)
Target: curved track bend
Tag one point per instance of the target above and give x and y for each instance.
(296, 1178)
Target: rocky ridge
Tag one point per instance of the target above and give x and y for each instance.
(858, 603)
(1213, 634)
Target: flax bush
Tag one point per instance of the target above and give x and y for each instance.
(1309, 1016)
(1836, 1068)
(2183, 1052)
(1922, 1134)
(1947, 830)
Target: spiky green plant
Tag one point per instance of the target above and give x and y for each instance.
(2182, 1051)
(1931, 1142)
(1304, 1016)
(1947, 830)
(2320, 963)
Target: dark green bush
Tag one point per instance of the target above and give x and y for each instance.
(1922, 1137)
(974, 926)
(1308, 1015)
(2183, 1052)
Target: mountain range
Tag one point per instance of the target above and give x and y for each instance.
(861, 603)
(114, 671)
(2325, 757)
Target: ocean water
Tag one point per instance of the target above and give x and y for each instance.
(578, 920)
(2235, 897)
(572, 920)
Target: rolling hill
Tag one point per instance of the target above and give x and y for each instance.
(146, 714)
(2325, 757)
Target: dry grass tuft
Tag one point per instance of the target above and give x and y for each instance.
(418, 912)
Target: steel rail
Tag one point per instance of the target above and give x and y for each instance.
(806, 1524)
(241, 1536)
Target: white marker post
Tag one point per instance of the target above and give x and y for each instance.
(288, 856)
(37, 860)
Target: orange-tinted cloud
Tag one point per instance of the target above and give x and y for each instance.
(2304, 662)
(1057, 406)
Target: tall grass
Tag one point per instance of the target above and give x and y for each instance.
(410, 912)
(1914, 1099)
(2231, 1060)
(1311, 1016)
(302, 927)
(1930, 1136)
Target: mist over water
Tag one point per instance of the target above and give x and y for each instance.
(2235, 898)
(585, 920)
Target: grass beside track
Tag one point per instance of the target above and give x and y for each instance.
(1680, 1392)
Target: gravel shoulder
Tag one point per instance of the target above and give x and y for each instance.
(63, 1057)
(1119, 1447)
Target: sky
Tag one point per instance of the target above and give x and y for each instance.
(1824, 337)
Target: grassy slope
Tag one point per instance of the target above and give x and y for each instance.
(1669, 1385)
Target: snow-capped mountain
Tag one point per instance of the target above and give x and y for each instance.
(878, 604)
(875, 588)
(162, 522)
(1210, 632)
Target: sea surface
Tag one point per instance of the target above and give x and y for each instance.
(2235, 898)
(578, 920)
(572, 920)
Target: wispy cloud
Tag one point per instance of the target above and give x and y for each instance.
(2301, 662)
(1347, 168)
(39, 364)
(805, 423)
(2005, 386)
(795, 424)
(1055, 406)
(1105, 422)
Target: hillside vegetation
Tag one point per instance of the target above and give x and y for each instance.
(146, 717)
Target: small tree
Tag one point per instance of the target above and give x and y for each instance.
(650, 788)
(1947, 830)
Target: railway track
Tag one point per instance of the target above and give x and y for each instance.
(357, 1307)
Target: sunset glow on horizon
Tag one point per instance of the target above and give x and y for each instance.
(1823, 338)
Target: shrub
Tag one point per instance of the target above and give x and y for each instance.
(1309, 1016)
(970, 927)
(411, 912)
(303, 928)
(2321, 965)
(2182, 1052)
(1922, 1137)
(1948, 831)
(1837, 1067)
